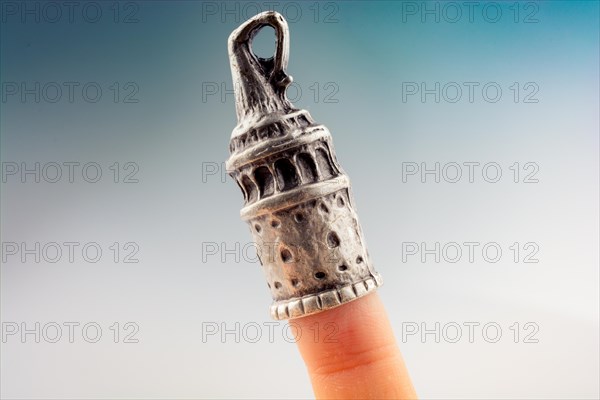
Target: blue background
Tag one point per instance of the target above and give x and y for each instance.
(352, 62)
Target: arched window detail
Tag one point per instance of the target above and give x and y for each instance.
(265, 182)
(287, 176)
(324, 163)
(250, 189)
(307, 167)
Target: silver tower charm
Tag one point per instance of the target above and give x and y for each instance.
(298, 201)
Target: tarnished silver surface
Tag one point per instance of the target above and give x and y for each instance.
(298, 202)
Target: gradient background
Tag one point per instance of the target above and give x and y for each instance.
(174, 133)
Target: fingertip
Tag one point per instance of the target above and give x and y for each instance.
(350, 351)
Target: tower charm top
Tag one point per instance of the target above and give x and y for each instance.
(298, 201)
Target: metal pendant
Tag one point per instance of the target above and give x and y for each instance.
(298, 201)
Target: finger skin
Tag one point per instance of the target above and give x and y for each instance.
(351, 353)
